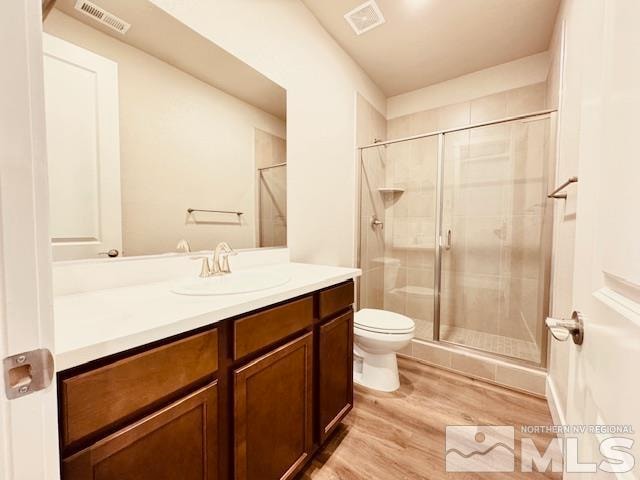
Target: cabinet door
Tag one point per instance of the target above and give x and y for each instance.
(179, 441)
(335, 372)
(273, 412)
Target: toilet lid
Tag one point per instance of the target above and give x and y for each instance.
(382, 321)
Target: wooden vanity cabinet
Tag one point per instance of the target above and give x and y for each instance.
(249, 398)
(273, 412)
(335, 372)
(104, 398)
(179, 441)
(334, 357)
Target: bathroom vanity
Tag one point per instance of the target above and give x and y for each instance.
(251, 396)
(162, 373)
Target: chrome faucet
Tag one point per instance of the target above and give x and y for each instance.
(222, 249)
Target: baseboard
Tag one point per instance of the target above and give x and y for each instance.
(556, 409)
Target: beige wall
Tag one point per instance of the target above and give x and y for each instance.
(283, 40)
(500, 78)
(209, 164)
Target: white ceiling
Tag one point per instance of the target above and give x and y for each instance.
(159, 34)
(428, 41)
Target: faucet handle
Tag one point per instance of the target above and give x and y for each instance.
(226, 268)
(183, 246)
(205, 269)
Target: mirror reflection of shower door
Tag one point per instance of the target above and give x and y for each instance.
(495, 266)
(398, 205)
(272, 201)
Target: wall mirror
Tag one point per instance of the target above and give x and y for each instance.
(156, 135)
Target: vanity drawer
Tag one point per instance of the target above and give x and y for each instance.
(262, 329)
(335, 299)
(101, 398)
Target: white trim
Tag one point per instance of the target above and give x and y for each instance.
(559, 418)
(556, 409)
(29, 430)
(621, 304)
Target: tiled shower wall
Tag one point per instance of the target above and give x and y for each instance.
(371, 125)
(409, 236)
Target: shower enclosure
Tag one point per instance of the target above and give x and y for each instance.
(455, 233)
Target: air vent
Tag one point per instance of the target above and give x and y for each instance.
(102, 16)
(365, 17)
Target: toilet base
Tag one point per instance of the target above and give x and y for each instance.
(378, 371)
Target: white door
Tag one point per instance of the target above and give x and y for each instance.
(28, 425)
(81, 98)
(604, 373)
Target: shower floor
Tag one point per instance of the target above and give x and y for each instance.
(488, 342)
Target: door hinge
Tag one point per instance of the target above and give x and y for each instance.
(27, 372)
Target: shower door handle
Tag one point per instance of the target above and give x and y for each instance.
(447, 243)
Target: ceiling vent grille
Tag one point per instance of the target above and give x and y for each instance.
(365, 17)
(101, 15)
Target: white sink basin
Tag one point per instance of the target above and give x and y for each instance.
(231, 283)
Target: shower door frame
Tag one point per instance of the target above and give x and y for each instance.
(259, 179)
(437, 281)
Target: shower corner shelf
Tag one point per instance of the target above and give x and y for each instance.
(392, 190)
(413, 290)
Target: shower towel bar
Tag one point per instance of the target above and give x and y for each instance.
(556, 194)
(191, 210)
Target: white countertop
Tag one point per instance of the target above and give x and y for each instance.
(91, 325)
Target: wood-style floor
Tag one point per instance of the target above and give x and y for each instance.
(401, 435)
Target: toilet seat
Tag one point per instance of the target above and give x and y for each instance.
(383, 321)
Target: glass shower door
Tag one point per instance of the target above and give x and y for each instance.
(397, 229)
(272, 206)
(496, 231)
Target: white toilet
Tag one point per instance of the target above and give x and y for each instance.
(379, 334)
